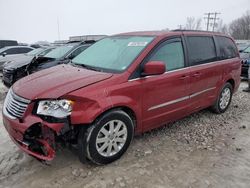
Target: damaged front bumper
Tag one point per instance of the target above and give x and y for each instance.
(34, 136)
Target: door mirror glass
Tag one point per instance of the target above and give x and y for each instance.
(154, 68)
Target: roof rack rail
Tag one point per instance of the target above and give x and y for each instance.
(86, 38)
(195, 30)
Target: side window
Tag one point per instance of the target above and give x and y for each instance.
(24, 50)
(201, 49)
(77, 52)
(12, 51)
(171, 53)
(227, 48)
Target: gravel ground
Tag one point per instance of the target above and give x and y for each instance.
(202, 150)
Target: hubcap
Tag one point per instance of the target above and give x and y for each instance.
(111, 138)
(225, 98)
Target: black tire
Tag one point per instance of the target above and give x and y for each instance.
(216, 108)
(87, 147)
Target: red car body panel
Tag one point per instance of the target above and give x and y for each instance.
(55, 82)
(154, 100)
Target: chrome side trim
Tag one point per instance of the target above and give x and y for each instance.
(168, 103)
(134, 79)
(201, 92)
(180, 99)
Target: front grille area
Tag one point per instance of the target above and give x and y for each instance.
(14, 105)
(245, 63)
(7, 73)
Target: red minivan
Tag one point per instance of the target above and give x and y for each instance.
(122, 85)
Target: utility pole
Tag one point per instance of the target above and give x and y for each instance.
(180, 26)
(213, 17)
(208, 18)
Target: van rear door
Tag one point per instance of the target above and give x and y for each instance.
(205, 71)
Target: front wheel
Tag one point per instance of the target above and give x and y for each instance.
(224, 99)
(107, 139)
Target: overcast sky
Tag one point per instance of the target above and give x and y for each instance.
(34, 20)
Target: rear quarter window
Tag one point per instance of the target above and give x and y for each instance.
(226, 48)
(201, 49)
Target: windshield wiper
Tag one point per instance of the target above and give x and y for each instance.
(85, 66)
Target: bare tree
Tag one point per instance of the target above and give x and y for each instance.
(193, 24)
(240, 28)
(221, 27)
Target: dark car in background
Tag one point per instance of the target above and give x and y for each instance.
(19, 58)
(245, 56)
(4, 43)
(59, 55)
(14, 62)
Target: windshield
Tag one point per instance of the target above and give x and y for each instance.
(242, 46)
(113, 53)
(35, 52)
(59, 52)
(247, 50)
(3, 49)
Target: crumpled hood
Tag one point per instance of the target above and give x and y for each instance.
(25, 60)
(56, 81)
(16, 58)
(17, 62)
(12, 57)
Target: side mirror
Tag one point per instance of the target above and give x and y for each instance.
(240, 51)
(4, 54)
(154, 68)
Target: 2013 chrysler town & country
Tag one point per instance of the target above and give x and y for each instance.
(122, 85)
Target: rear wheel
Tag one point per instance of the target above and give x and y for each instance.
(224, 99)
(107, 139)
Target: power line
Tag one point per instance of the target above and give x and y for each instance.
(211, 16)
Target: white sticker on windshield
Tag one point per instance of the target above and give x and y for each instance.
(137, 43)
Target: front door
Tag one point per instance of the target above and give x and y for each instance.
(165, 97)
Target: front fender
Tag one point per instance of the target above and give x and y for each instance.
(85, 111)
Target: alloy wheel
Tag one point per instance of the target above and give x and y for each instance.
(225, 98)
(111, 138)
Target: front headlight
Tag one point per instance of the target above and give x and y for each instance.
(55, 108)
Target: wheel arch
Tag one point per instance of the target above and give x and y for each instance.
(232, 82)
(123, 108)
